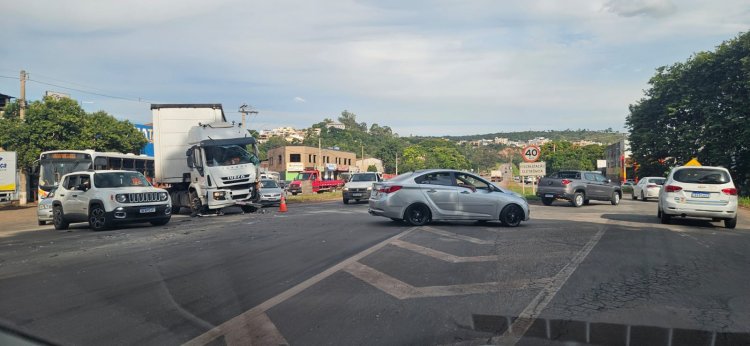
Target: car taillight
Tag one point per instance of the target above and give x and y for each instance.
(566, 182)
(729, 191)
(672, 188)
(390, 189)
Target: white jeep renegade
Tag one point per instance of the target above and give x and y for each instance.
(104, 198)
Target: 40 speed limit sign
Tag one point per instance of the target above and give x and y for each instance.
(531, 153)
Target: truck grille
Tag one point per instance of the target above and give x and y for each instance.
(236, 179)
(143, 197)
(361, 189)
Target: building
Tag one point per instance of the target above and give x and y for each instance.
(292, 159)
(618, 160)
(339, 126)
(289, 134)
(362, 165)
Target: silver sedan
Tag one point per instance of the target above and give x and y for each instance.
(442, 194)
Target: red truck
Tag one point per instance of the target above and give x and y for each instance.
(318, 184)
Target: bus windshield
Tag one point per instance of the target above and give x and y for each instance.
(52, 170)
(119, 179)
(227, 155)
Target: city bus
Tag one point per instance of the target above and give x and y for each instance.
(56, 163)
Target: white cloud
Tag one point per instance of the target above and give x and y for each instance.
(631, 8)
(299, 99)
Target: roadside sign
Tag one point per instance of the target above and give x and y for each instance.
(537, 169)
(531, 153)
(693, 162)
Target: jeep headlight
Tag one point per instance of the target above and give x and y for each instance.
(122, 198)
(369, 188)
(163, 196)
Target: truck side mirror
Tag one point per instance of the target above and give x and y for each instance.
(189, 154)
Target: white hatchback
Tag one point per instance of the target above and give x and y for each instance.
(706, 192)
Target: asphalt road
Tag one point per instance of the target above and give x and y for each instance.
(332, 274)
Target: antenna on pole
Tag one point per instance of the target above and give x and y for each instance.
(245, 110)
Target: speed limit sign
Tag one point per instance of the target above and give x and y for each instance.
(531, 153)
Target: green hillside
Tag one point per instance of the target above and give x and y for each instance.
(603, 136)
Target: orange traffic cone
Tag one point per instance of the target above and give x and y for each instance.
(282, 205)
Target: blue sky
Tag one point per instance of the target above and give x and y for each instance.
(421, 67)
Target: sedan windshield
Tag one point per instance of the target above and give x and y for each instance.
(269, 184)
(364, 177)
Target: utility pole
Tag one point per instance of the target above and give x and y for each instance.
(22, 101)
(396, 163)
(22, 198)
(320, 155)
(245, 112)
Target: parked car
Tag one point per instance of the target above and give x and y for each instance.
(578, 187)
(44, 208)
(648, 187)
(107, 197)
(270, 192)
(359, 186)
(441, 194)
(704, 192)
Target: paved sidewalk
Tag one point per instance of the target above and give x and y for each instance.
(18, 218)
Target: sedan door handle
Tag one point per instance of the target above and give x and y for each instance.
(62, 195)
(465, 192)
(75, 195)
(432, 190)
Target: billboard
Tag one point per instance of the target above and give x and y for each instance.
(148, 132)
(8, 171)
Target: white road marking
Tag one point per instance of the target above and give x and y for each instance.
(529, 314)
(237, 328)
(457, 236)
(402, 290)
(441, 255)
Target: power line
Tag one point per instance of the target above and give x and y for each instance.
(133, 99)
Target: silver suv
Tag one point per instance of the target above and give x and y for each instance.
(104, 198)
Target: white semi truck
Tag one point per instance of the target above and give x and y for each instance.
(8, 177)
(203, 161)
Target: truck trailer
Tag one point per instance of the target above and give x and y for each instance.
(203, 161)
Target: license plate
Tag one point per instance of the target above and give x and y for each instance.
(148, 210)
(357, 194)
(549, 196)
(701, 195)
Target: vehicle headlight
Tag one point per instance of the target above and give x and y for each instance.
(369, 188)
(121, 198)
(163, 196)
(346, 188)
(219, 194)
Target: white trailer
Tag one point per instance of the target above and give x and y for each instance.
(202, 160)
(8, 177)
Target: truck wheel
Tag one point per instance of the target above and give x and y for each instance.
(98, 218)
(730, 223)
(196, 206)
(346, 201)
(615, 200)
(248, 208)
(577, 200)
(511, 215)
(58, 218)
(547, 201)
(417, 215)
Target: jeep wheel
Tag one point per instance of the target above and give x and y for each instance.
(58, 219)
(98, 218)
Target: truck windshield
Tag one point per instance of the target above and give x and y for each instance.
(364, 177)
(119, 179)
(50, 171)
(227, 155)
(303, 176)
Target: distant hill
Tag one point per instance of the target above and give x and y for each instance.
(603, 136)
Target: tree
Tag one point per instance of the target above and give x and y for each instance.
(54, 124)
(350, 121)
(372, 168)
(697, 108)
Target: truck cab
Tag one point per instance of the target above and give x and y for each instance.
(316, 182)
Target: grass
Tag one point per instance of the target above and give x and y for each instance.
(314, 197)
(529, 194)
(744, 201)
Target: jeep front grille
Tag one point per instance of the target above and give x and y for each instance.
(143, 197)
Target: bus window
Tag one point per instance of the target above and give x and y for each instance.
(115, 163)
(128, 164)
(100, 163)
